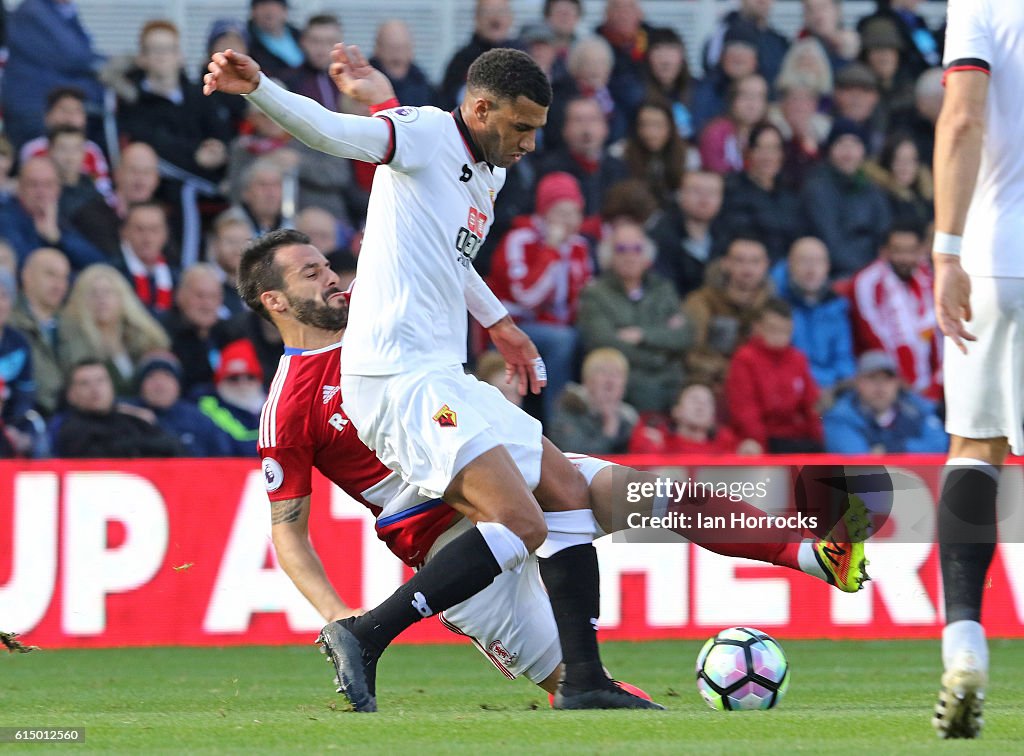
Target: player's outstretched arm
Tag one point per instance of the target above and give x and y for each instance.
(354, 76)
(290, 532)
(349, 136)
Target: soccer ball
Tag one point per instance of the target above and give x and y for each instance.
(742, 668)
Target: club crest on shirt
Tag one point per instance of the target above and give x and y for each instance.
(446, 417)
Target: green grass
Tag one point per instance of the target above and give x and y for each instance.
(855, 698)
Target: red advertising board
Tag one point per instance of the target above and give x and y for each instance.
(169, 552)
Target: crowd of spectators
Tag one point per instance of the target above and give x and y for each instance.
(734, 262)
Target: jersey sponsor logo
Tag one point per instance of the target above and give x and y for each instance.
(419, 603)
(470, 237)
(337, 421)
(497, 649)
(403, 114)
(467, 174)
(446, 417)
(330, 392)
(273, 474)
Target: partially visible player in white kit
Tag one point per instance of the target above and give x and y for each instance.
(303, 425)
(979, 298)
(403, 386)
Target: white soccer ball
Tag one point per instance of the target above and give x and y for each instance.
(740, 669)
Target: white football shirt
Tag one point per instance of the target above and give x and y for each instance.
(431, 206)
(988, 35)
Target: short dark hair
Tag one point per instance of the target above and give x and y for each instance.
(760, 128)
(509, 74)
(57, 94)
(146, 205)
(258, 271)
(322, 19)
(77, 365)
(745, 235)
(549, 3)
(903, 224)
(775, 306)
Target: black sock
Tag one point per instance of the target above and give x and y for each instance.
(967, 539)
(573, 582)
(461, 569)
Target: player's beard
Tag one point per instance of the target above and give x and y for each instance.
(319, 314)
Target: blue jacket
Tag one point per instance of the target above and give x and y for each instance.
(196, 432)
(47, 49)
(16, 371)
(18, 228)
(852, 429)
(821, 330)
(240, 426)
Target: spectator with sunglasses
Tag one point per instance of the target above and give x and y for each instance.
(637, 311)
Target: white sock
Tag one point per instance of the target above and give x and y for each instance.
(808, 562)
(963, 644)
(565, 529)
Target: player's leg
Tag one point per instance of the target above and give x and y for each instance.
(786, 547)
(983, 417)
(485, 485)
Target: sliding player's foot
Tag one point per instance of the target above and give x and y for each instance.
(609, 696)
(958, 713)
(841, 553)
(356, 668)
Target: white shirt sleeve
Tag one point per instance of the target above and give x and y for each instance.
(485, 308)
(417, 134)
(968, 35)
(348, 136)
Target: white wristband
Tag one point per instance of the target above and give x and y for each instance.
(947, 244)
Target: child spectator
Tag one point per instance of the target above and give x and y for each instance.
(593, 418)
(770, 391)
(692, 427)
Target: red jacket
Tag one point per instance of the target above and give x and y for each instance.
(657, 437)
(771, 393)
(898, 317)
(538, 283)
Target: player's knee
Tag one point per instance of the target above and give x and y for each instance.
(532, 529)
(509, 549)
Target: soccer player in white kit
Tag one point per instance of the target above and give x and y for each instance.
(403, 386)
(979, 301)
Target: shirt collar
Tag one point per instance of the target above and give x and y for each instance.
(467, 137)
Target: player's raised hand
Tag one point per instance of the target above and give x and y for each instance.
(354, 76)
(231, 72)
(522, 360)
(953, 301)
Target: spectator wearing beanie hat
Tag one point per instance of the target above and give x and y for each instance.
(538, 272)
(235, 407)
(158, 378)
(273, 42)
(228, 33)
(845, 209)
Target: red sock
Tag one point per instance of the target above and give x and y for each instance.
(775, 546)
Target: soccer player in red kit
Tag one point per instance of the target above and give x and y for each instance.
(303, 426)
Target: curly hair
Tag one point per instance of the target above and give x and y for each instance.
(509, 74)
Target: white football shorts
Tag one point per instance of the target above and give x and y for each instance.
(984, 387)
(428, 424)
(510, 621)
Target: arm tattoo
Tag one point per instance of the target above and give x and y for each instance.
(285, 511)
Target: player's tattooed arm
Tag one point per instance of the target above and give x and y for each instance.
(289, 511)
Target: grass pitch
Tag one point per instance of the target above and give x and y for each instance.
(854, 698)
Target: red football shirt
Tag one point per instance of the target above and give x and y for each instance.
(303, 426)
